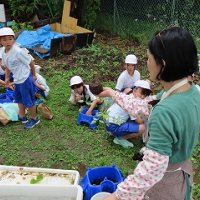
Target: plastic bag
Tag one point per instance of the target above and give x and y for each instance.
(45, 111)
(12, 110)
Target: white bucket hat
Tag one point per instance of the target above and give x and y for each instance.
(131, 59)
(6, 31)
(143, 84)
(76, 80)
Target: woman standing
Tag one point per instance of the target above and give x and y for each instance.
(166, 170)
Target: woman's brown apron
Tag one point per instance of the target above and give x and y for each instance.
(175, 184)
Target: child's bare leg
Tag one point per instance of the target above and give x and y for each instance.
(21, 110)
(32, 111)
(136, 135)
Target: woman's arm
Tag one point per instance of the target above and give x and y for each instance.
(147, 173)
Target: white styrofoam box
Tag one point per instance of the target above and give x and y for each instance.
(23, 175)
(56, 184)
(24, 192)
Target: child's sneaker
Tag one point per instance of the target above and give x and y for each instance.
(123, 142)
(24, 120)
(31, 123)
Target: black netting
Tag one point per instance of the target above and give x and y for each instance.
(143, 17)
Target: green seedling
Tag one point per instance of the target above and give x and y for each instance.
(38, 179)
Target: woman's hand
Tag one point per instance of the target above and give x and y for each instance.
(111, 197)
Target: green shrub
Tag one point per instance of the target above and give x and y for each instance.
(24, 11)
(90, 8)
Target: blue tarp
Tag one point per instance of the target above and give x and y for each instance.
(39, 38)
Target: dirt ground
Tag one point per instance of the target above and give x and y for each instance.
(65, 62)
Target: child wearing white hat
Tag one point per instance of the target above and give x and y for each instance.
(129, 76)
(81, 94)
(42, 89)
(126, 117)
(2, 72)
(20, 63)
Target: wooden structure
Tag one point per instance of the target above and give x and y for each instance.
(82, 37)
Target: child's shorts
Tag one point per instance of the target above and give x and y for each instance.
(41, 92)
(123, 129)
(24, 93)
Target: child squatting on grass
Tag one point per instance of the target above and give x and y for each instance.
(166, 169)
(127, 116)
(81, 94)
(20, 63)
(42, 89)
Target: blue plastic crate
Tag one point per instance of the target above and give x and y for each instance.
(90, 120)
(7, 97)
(101, 179)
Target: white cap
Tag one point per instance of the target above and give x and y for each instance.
(6, 31)
(76, 80)
(131, 59)
(143, 84)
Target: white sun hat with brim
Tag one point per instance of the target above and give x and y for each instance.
(6, 31)
(143, 84)
(75, 80)
(131, 59)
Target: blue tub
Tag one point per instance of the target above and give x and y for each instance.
(101, 179)
(90, 120)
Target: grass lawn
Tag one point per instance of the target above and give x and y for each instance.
(60, 142)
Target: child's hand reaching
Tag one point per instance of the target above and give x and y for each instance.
(89, 112)
(11, 86)
(107, 92)
(7, 83)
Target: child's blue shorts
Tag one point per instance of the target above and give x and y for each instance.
(123, 129)
(24, 93)
(41, 92)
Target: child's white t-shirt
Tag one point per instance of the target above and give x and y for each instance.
(125, 80)
(17, 61)
(41, 81)
(116, 115)
(2, 72)
(88, 95)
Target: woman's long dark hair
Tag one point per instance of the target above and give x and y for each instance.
(175, 51)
